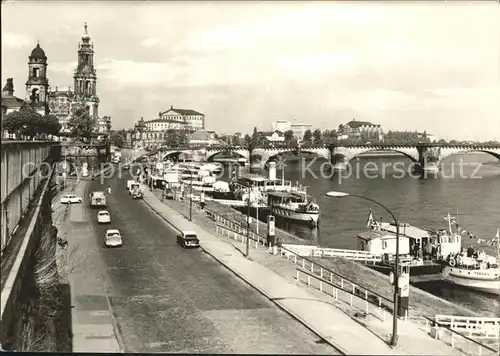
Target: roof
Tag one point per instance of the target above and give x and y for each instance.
(166, 121)
(356, 124)
(254, 177)
(406, 230)
(38, 53)
(189, 232)
(112, 231)
(182, 111)
(11, 101)
(372, 235)
(281, 195)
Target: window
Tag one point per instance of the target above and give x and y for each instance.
(36, 72)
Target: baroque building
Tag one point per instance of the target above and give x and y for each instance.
(37, 85)
(63, 103)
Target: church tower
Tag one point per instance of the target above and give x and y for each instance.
(85, 76)
(38, 84)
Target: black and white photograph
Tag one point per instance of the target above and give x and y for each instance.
(250, 177)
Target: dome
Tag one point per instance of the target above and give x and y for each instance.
(38, 53)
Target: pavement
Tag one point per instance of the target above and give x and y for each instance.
(153, 296)
(312, 307)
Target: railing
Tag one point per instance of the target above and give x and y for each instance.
(474, 327)
(236, 231)
(355, 255)
(456, 339)
(355, 297)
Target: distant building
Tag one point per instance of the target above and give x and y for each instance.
(63, 102)
(276, 136)
(191, 119)
(203, 138)
(359, 129)
(10, 103)
(299, 129)
(282, 125)
(161, 125)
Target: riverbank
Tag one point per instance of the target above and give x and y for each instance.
(412, 337)
(421, 302)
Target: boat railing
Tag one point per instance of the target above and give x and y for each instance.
(308, 264)
(451, 329)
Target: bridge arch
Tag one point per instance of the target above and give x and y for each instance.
(493, 152)
(297, 152)
(240, 153)
(172, 155)
(268, 154)
(349, 156)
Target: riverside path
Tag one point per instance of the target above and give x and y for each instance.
(166, 299)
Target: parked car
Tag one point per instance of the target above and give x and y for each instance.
(71, 199)
(103, 217)
(188, 239)
(113, 238)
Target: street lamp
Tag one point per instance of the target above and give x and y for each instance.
(394, 338)
(248, 223)
(190, 193)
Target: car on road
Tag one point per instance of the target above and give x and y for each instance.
(113, 238)
(103, 217)
(188, 239)
(126, 166)
(71, 199)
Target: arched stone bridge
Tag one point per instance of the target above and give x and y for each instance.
(426, 154)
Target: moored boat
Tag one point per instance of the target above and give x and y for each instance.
(297, 206)
(474, 269)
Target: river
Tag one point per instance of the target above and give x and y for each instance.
(469, 184)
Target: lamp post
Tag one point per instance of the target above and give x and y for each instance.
(248, 224)
(394, 338)
(190, 193)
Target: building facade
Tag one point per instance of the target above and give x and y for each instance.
(63, 103)
(193, 120)
(281, 125)
(299, 129)
(361, 129)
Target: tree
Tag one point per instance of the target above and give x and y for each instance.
(288, 136)
(118, 138)
(176, 138)
(247, 140)
(81, 124)
(26, 121)
(307, 136)
(235, 141)
(318, 138)
(50, 125)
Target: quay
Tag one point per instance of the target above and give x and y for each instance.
(430, 304)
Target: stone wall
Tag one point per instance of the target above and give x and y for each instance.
(23, 165)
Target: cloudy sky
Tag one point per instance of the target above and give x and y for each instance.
(417, 66)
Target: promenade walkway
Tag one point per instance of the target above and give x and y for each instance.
(313, 308)
(92, 321)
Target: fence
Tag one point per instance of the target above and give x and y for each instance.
(474, 327)
(354, 255)
(235, 231)
(456, 339)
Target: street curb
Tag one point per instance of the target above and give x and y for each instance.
(277, 303)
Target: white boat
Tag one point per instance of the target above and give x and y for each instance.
(296, 206)
(473, 270)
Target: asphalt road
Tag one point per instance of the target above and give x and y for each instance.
(167, 299)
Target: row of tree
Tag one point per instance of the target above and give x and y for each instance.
(28, 123)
